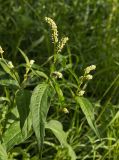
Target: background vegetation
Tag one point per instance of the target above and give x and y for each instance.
(93, 30)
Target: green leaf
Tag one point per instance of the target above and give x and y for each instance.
(2, 99)
(113, 119)
(12, 136)
(23, 101)
(57, 129)
(35, 158)
(35, 43)
(71, 72)
(88, 111)
(25, 57)
(39, 74)
(39, 107)
(59, 91)
(2, 74)
(68, 66)
(3, 153)
(9, 83)
(8, 70)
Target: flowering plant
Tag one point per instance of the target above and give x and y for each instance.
(30, 106)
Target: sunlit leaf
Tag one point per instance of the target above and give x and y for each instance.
(88, 111)
(25, 56)
(9, 83)
(8, 70)
(39, 107)
(57, 129)
(3, 153)
(59, 91)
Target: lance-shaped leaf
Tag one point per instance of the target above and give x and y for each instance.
(88, 111)
(25, 56)
(57, 129)
(9, 83)
(23, 101)
(8, 70)
(39, 107)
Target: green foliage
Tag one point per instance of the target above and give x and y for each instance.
(12, 136)
(23, 101)
(32, 105)
(3, 153)
(43, 112)
(57, 129)
(39, 107)
(88, 110)
(91, 24)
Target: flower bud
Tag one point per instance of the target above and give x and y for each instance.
(10, 65)
(31, 62)
(90, 68)
(57, 74)
(81, 93)
(65, 110)
(62, 44)
(1, 50)
(89, 77)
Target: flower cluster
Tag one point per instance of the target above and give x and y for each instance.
(57, 75)
(89, 69)
(81, 93)
(87, 76)
(65, 110)
(62, 44)
(31, 62)
(10, 65)
(53, 26)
